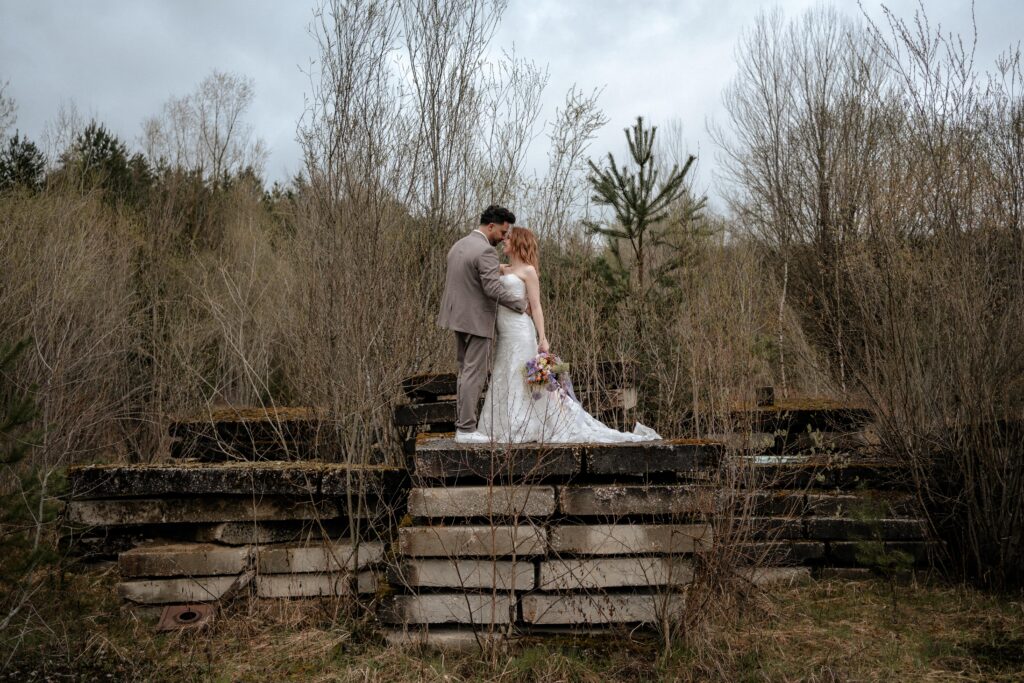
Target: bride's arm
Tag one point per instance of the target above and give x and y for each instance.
(533, 298)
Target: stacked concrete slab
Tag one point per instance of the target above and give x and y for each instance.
(518, 539)
(537, 536)
(199, 532)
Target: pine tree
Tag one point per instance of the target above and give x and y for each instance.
(21, 165)
(640, 202)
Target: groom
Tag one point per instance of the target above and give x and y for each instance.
(469, 307)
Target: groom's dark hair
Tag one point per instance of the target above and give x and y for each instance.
(497, 214)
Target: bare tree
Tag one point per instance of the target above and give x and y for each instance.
(8, 110)
(206, 131)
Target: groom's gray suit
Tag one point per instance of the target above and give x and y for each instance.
(469, 307)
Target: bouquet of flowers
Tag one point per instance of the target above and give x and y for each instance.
(547, 372)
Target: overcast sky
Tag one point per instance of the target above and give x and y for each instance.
(119, 61)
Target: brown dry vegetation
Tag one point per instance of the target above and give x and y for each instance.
(832, 630)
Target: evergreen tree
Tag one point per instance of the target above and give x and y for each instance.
(21, 164)
(98, 158)
(640, 202)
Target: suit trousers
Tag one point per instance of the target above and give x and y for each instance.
(474, 355)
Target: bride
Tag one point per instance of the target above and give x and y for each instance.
(510, 413)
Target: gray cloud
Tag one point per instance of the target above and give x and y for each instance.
(664, 59)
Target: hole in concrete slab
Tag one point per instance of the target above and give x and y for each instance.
(183, 616)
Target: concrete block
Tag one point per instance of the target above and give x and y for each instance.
(776, 528)
(630, 539)
(449, 608)
(472, 541)
(609, 572)
(318, 557)
(482, 501)
(445, 459)
(842, 529)
(541, 608)
(227, 478)
(767, 577)
(652, 457)
(830, 504)
(162, 591)
(416, 414)
(451, 639)
(430, 387)
(880, 553)
(779, 503)
(502, 575)
(183, 559)
(329, 584)
(652, 499)
(780, 552)
(263, 533)
(194, 510)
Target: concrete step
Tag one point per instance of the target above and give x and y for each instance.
(675, 457)
(229, 478)
(183, 559)
(611, 572)
(418, 414)
(541, 608)
(445, 459)
(430, 387)
(482, 501)
(472, 541)
(635, 499)
(492, 574)
(449, 608)
(320, 557)
(195, 510)
(630, 539)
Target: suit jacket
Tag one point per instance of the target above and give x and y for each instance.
(472, 290)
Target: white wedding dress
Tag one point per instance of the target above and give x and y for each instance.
(512, 415)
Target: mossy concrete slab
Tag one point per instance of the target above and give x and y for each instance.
(231, 478)
(652, 457)
(845, 529)
(195, 510)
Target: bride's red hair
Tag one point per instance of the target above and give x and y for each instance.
(523, 243)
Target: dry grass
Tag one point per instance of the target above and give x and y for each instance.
(833, 630)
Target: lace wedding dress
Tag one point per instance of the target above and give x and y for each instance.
(511, 414)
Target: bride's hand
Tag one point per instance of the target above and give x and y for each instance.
(543, 346)
(503, 268)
